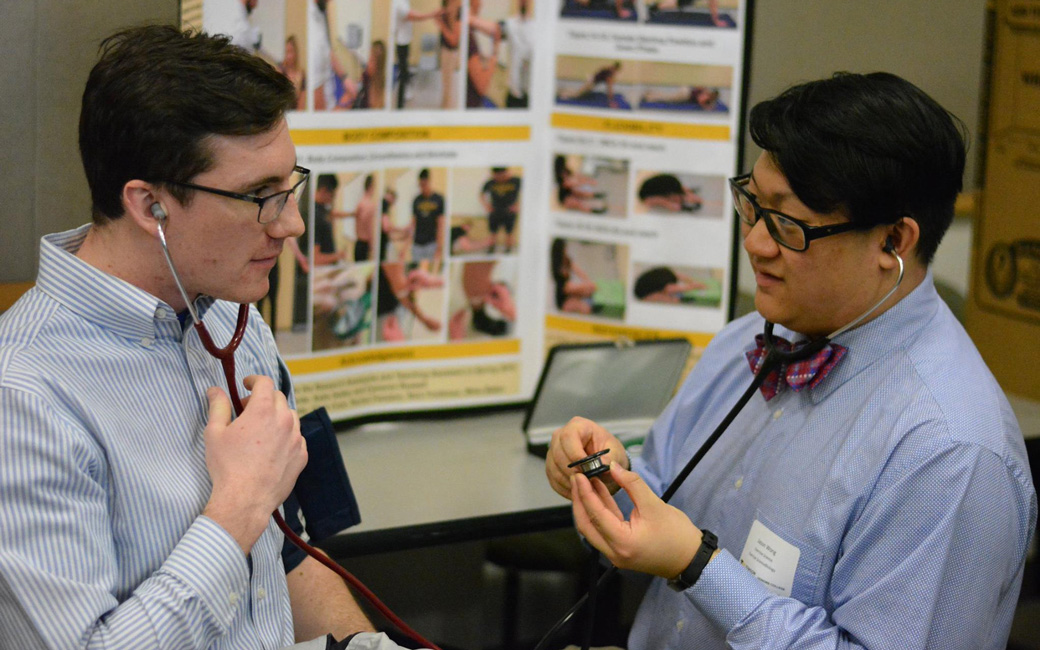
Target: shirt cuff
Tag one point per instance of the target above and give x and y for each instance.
(372, 641)
(210, 562)
(726, 593)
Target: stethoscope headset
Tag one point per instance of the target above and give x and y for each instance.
(774, 359)
(226, 356)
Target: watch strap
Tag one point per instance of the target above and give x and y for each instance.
(689, 575)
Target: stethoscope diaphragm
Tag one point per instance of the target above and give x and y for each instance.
(591, 466)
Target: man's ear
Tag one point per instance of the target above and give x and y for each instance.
(139, 206)
(900, 238)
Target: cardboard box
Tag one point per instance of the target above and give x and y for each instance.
(1003, 311)
(1016, 67)
(1007, 248)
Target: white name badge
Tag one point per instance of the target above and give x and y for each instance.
(770, 559)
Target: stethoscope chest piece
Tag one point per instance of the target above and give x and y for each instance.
(591, 466)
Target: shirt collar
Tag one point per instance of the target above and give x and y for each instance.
(884, 336)
(104, 299)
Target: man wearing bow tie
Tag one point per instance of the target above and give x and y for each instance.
(875, 495)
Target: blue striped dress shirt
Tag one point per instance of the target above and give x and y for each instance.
(900, 484)
(103, 473)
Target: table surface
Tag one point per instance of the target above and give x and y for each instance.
(444, 480)
(435, 481)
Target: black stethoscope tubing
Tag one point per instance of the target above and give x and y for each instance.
(774, 359)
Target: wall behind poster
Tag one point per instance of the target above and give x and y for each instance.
(492, 177)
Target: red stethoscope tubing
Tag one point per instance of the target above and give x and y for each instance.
(226, 356)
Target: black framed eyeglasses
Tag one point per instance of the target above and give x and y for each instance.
(784, 229)
(269, 207)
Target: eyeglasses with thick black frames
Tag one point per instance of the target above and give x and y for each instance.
(269, 207)
(784, 229)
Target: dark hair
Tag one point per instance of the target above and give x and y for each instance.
(660, 185)
(153, 98)
(653, 280)
(497, 170)
(380, 57)
(424, 174)
(873, 145)
(558, 258)
(328, 182)
(369, 181)
(559, 167)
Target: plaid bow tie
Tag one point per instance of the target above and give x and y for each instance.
(807, 373)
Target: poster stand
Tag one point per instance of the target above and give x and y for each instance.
(493, 179)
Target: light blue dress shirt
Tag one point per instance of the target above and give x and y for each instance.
(901, 480)
(103, 473)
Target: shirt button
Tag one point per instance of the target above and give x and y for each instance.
(261, 593)
(680, 625)
(233, 598)
(160, 313)
(147, 342)
(777, 413)
(739, 482)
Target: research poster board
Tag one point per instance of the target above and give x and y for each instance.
(490, 178)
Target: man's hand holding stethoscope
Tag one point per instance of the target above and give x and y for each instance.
(657, 538)
(575, 441)
(253, 460)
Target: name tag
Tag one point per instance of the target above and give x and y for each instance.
(770, 559)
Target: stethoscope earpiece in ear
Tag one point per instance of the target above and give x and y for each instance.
(157, 211)
(890, 246)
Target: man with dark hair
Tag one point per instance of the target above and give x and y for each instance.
(605, 75)
(324, 211)
(134, 511)
(427, 227)
(876, 495)
(500, 197)
(365, 220)
(662, 284)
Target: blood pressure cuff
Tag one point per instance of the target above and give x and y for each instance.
(322, 503)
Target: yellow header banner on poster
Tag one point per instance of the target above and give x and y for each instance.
(641, 127)
(410, 353)
(383, 135)
(587, 328)
(415, 385)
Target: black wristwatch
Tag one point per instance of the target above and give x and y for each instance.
(689, 576)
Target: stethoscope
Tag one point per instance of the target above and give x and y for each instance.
(774, 359)
(226, 356)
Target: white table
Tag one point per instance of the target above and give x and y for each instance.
(444, 480)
